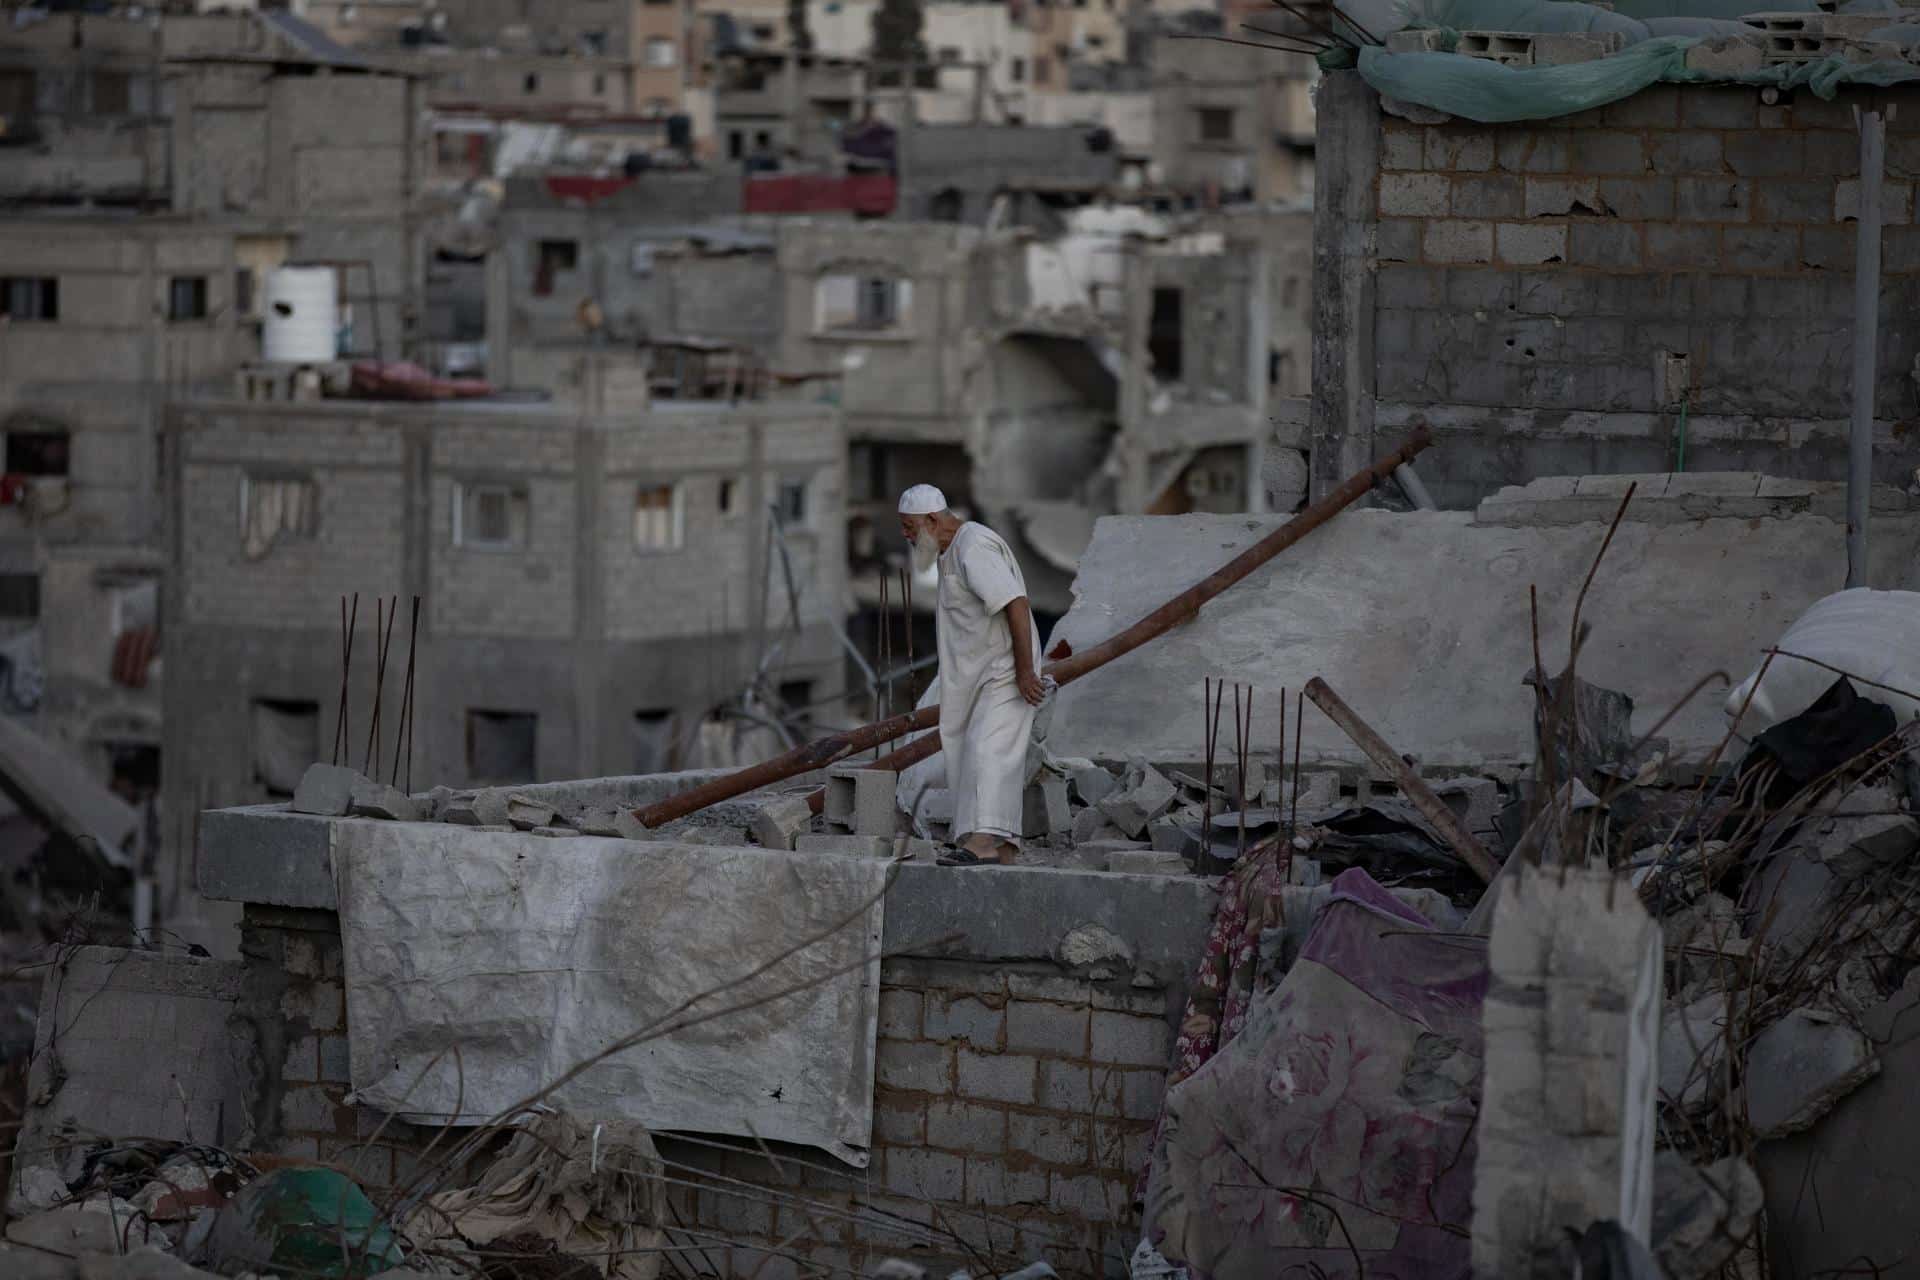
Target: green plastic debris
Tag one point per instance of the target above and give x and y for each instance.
(314, 1223)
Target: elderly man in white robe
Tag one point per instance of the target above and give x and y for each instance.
(990, 679)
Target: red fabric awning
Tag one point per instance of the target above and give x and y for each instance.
(868, 193)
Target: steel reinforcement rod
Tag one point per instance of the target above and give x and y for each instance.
(837, 747)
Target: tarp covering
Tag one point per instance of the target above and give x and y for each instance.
(1657, 35)
(869, 193)
(477, 974)
(1483, 90)
(1339, 1121)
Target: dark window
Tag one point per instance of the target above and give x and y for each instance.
(112, 93)
(1216, 124)
(286, 739)
(736, 144)
(555, 256)
(1042, 71)
(500, 745)
(18, 88)
(947, 205)
(243, 290)
(187, 298)
(37, 453)
(531, 84)
(27, 298)
(763, 139)
(653, 741)
(19, 595)
(599, 82)
(877, 309)
(796, 697)
(730, 497)
(793, 502)
(1164, 334)
(1018, 71)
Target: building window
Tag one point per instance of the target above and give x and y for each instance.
(553, 257)
(733, 496)
(793, 503)
(653, 733)
(1017, 72)
(18, 91)
(947, 205)
(243, 291)
(1043, 71)
(29, 298)
(762, 140)
(736, 144)
(286, 739)
(112, 93)
(949, 54)
(1165, 334)
(490, 517)
(275, 507)
(38, 453)
(531, 84)
(19, 595)
(1216, 124)
(796, 699)
(659, 518)
(187, 298)
(599, 82)
(661, 52)
(501, 746)
(862, 303)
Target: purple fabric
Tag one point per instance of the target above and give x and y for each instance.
(1340, 1119)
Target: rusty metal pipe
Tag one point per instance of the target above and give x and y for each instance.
(1431, 806)
(831, 750)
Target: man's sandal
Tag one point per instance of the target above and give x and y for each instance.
(967, 858)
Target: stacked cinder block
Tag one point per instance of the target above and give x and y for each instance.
(1555, 264)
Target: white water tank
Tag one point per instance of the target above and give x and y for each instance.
(301, 315)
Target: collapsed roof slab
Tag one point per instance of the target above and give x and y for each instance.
(1421, 620)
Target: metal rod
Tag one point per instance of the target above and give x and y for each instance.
(1242, 738)
(347, 627)
(885, 708)
(1209, 720)
(1866, 341)
(1299, 723)
(370, 765)
(403, 735)
(1280, 762)
(1347, 18)
(1431, 806)
(836, 747)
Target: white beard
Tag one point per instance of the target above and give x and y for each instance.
(926, 552)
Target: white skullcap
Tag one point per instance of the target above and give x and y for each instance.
(922, 500)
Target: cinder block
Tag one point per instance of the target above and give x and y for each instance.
(1419, 40)
(779, 823)
(926, 1175)
(966, 1126)
(1045, 811)
(1896, 202)
(1047, 1028)
(916, 1068)
(1066, 1086)
(1091, 783)
(1559, 49)
(1451, 241)
(1146, 862)
(861, 799)
(963, 1018)
(1726, 55)
(1414, 195)
(991, 1184)
(1053, 1139)
(1005, 1077)
(1125, 1040)
(1531, 243)
(900, 1014)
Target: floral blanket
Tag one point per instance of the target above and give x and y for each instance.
(1333, 1133)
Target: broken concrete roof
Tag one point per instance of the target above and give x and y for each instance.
(59, 791)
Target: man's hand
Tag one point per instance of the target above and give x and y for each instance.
(1031, 687)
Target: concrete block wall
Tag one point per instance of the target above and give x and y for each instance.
(1013, 1107)
(1531, 280)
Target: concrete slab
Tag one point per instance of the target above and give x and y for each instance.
(1420, 620)
(136, 1042)
(266, 854)
(58, 790)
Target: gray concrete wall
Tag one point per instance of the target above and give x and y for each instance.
(1420, 621)
(978, 161)
(1530, 282)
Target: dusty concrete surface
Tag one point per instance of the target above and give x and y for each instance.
(1420, 621)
